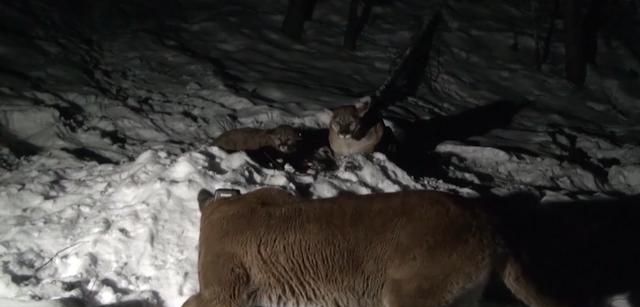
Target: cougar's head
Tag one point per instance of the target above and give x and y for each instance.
(346, 120)
(285, 138)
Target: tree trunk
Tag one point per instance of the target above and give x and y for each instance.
(593, 21)
(309, 10)
(575, 63)
(359, 12)
(536, 23)
(547, 39)
(298, 12)
(408, 75)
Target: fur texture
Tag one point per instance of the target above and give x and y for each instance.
(283, 138)
(405, 249)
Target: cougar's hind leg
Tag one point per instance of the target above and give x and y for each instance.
(524, 288)
(452, 289)
(409, 293)
(471, 295)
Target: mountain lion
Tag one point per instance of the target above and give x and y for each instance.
(283, 138)
(405, 249)
(355, 129)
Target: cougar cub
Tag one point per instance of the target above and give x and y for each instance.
(355, 129)
(283, 138)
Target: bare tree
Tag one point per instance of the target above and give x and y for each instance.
(543, 15)
(594, 20)
(359, 12)
(298, 12)
(535, 21)
(409, 73)
(542, 53)
(581, 36)
(575, 60)
(309, 9)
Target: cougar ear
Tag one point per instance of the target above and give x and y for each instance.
(203, 198)
(363, 105)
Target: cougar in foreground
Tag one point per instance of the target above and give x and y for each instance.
(404, 249)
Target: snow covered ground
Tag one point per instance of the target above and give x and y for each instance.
(106, 121)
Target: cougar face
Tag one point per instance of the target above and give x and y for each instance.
(404, 249)
(346, 120)
(350, 133)
(285, 138)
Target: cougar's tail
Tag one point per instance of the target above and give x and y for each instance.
(515, 218)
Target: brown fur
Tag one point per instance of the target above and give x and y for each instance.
(283, 138)
(355, 130)
(405, 249)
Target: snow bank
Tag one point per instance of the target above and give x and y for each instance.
(45, 303)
